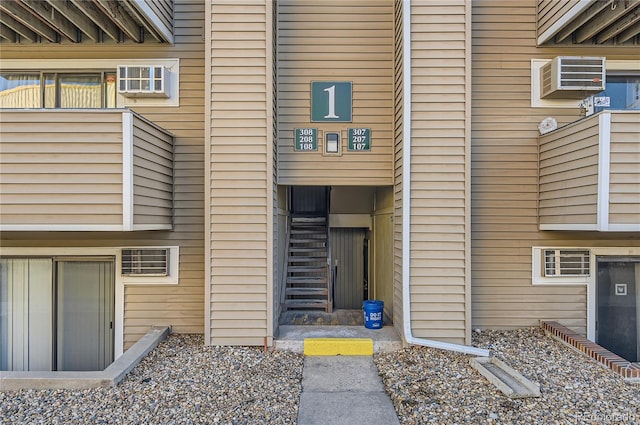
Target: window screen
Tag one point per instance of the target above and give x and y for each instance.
(560, 262)
(145, 262)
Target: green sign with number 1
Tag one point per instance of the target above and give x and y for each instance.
(331, 101)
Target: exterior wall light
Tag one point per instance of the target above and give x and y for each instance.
(331, 142)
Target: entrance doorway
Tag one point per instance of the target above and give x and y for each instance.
(350, 261)
(617, 302)
(58, 313)
(344, 233)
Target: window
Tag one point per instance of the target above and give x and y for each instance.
(561, 266)
(560, 262)
(145, 262)
(623, 91)
(58, 90)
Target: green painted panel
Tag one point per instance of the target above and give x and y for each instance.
(359, 140)
(306, 139)
(331, 101)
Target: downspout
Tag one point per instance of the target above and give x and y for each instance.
(406, 202)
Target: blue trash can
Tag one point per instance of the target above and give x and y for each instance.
(373, 312)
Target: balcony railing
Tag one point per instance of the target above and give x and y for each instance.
(84, 170)
(589, 174)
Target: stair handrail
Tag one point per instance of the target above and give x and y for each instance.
(285, 271)
(330, 277)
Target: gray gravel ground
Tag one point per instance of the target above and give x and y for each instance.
(184, 382)
(433, 386)
(180, 382)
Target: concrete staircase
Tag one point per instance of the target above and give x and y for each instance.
(307, 281)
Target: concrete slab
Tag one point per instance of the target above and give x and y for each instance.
(291, 337)
(347, 390)
(344, 408)
(341, 373)
(109, 377)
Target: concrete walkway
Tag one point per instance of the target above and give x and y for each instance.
(339, 389)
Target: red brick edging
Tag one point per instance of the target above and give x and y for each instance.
(614, 362)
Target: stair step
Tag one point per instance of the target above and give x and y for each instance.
(300, 249)
(306, 291)
(306, 303)
(308, 220)
(304, 231)
(307, 240)
(306, 235)
(307, 259)
(308, 269)
(306, 280)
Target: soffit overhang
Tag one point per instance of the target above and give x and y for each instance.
(86, 21)
(589, 22)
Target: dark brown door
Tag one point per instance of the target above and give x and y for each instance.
(617, 303)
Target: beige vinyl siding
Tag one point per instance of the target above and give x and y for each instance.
(550, 11)
(180, 306)
(624, 177)
(382, 250)
(439, 161)
(336, 41)
(398, 121)
(280, 261)
(239, 171)
(504, 174)
(152, 175)
(56, 171)
(569, 160)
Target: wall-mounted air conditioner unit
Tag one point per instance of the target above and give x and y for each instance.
(572, 77)
(143, 81)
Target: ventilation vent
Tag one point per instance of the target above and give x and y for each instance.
(145, 262)
(560, 262)
(142, 81)
(572, 77)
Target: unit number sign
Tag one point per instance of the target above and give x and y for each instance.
(306, 139)
(331, 101)
(359, 140)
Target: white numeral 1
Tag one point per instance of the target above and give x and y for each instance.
(332, 102)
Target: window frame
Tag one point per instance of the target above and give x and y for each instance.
(538, 267)
(171, 66)
(44, 76)
(554, 268)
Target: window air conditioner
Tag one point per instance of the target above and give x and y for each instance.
(572, 77)
(142, 81)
